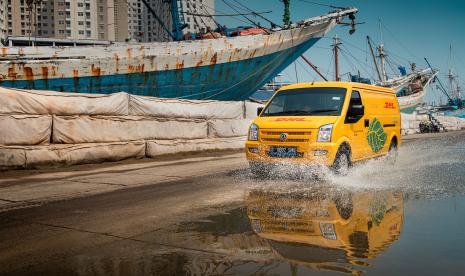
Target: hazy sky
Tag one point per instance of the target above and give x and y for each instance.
(411, 30)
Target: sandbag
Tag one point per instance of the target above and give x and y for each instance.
(57, 155)
(15, 101)
(191, 109)
(99, 129)
(12, 157)
(25, 129)
(251, 109)
(161, 147)
(228, 128)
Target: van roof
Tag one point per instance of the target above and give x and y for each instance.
(342, 84)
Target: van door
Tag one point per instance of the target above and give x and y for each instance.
(358, 128)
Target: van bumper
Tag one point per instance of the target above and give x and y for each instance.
(309, 154)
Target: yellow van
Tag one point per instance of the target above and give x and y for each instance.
(326, 123)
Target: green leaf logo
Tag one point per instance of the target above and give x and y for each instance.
(376, 136)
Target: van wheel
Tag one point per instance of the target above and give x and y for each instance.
(392, 153)
(341, 164)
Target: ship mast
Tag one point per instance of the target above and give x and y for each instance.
(453, 84)
(336, 43)
(374, 58)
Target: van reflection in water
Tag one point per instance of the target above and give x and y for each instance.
(324, 231)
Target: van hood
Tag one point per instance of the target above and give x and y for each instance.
(294, 122)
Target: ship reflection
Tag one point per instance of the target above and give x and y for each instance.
(326, 230)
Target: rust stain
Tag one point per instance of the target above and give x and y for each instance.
(4, 51)
(136, 69)
(54, 71)
(45, 72)
(152, 62)
(129, 52)
(214, 59)
(75, 73)
(200, 63)
(253, 53)
(116, 57)
(21, 52)
(95, 70)
(167, 66)
(12, 72)
(28, 74)
(180, 65)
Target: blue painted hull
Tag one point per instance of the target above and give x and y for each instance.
(226, 81)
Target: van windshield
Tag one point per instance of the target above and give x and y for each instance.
(321, 101)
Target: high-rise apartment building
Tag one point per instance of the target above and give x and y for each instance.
(143, 26)
(196, 23)
(114, 20)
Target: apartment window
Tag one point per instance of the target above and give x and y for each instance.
(80, 5)
(80, 14)
(81, 32)
(81, 23)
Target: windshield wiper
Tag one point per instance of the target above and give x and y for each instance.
(289, 113)
(324, 110)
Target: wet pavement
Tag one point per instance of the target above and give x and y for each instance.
(381, 219)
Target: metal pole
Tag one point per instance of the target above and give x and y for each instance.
(374, 58)
(336, 58)
(313, 67)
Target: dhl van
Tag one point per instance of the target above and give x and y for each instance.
(325, 123)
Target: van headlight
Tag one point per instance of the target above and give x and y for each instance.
(324, 133)
(253, 132)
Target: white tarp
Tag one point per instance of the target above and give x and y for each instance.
(228, 128)
(55, 155)
(157, 148)
(191, 109)
(99, 129)
(251, 109)
(15, 101)
(25, 129)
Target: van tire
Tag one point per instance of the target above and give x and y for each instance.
(393, 152)
(342, 161)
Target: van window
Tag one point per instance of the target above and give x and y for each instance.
(355, 98)
(318, 101)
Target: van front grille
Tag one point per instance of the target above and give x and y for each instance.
(293, 136)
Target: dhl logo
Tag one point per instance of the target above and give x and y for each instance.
(290, 119)
(389, 105)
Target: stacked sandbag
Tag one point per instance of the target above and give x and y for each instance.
(190, 109)
(16, 101)
(451, 123)
(159, 147)
(228, 128)
(25, 129)
(68, 154)
(251, 109)
(410, 123)
(99, 129)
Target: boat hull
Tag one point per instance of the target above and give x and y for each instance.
(235, 80)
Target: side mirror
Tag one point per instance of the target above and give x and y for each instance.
(259, 110)
(356, 110)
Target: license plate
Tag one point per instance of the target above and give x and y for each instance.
(284, 152)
